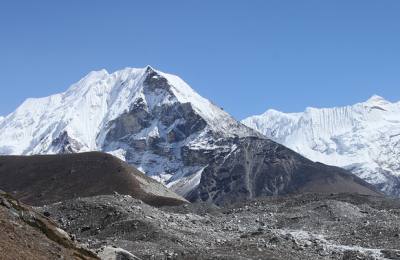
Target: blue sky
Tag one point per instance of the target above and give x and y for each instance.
(246, 56)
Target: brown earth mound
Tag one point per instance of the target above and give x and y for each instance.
(43, 179)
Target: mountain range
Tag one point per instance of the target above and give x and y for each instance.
(90, 161)
(363, 138)
(159, 124)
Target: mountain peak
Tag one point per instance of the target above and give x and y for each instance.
(96, 74)
(376, 99)
(89, 79)
(272, 111)
(140, 102)
(149, 68)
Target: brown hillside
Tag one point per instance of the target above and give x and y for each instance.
(44, 179)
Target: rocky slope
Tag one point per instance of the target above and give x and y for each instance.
(43, 179)
(308, 226)
(260, 167)
(364, 138)
(26, 234)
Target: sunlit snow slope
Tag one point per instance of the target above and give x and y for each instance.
(364, 138)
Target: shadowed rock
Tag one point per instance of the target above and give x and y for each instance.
(260, 167)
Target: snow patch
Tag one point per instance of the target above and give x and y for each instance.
(116, 253)
(301, 235)
(186, 184)
(119, 153)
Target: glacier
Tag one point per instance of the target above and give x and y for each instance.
(363, 138)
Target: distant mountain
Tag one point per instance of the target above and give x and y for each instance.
(45, 179)
(363, 138)
(157, 123)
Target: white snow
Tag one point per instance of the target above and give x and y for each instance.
(184, 185)
(119, 153)
(364, 137)
(115, 253)
(215, 116)
(302, 236)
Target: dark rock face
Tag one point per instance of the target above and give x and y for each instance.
(394, 183)
(172, 124)
(65, 144)
(259, 167)
(179, 119)
(154, 82)
(129, 123)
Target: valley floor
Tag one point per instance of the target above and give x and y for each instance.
(307, 226)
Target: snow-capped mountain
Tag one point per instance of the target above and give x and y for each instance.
(143, 116)
(157, 123)
(364, 138)
(87, 107)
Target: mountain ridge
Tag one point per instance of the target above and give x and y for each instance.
(362, 138)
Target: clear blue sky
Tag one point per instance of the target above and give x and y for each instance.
(246, 56)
